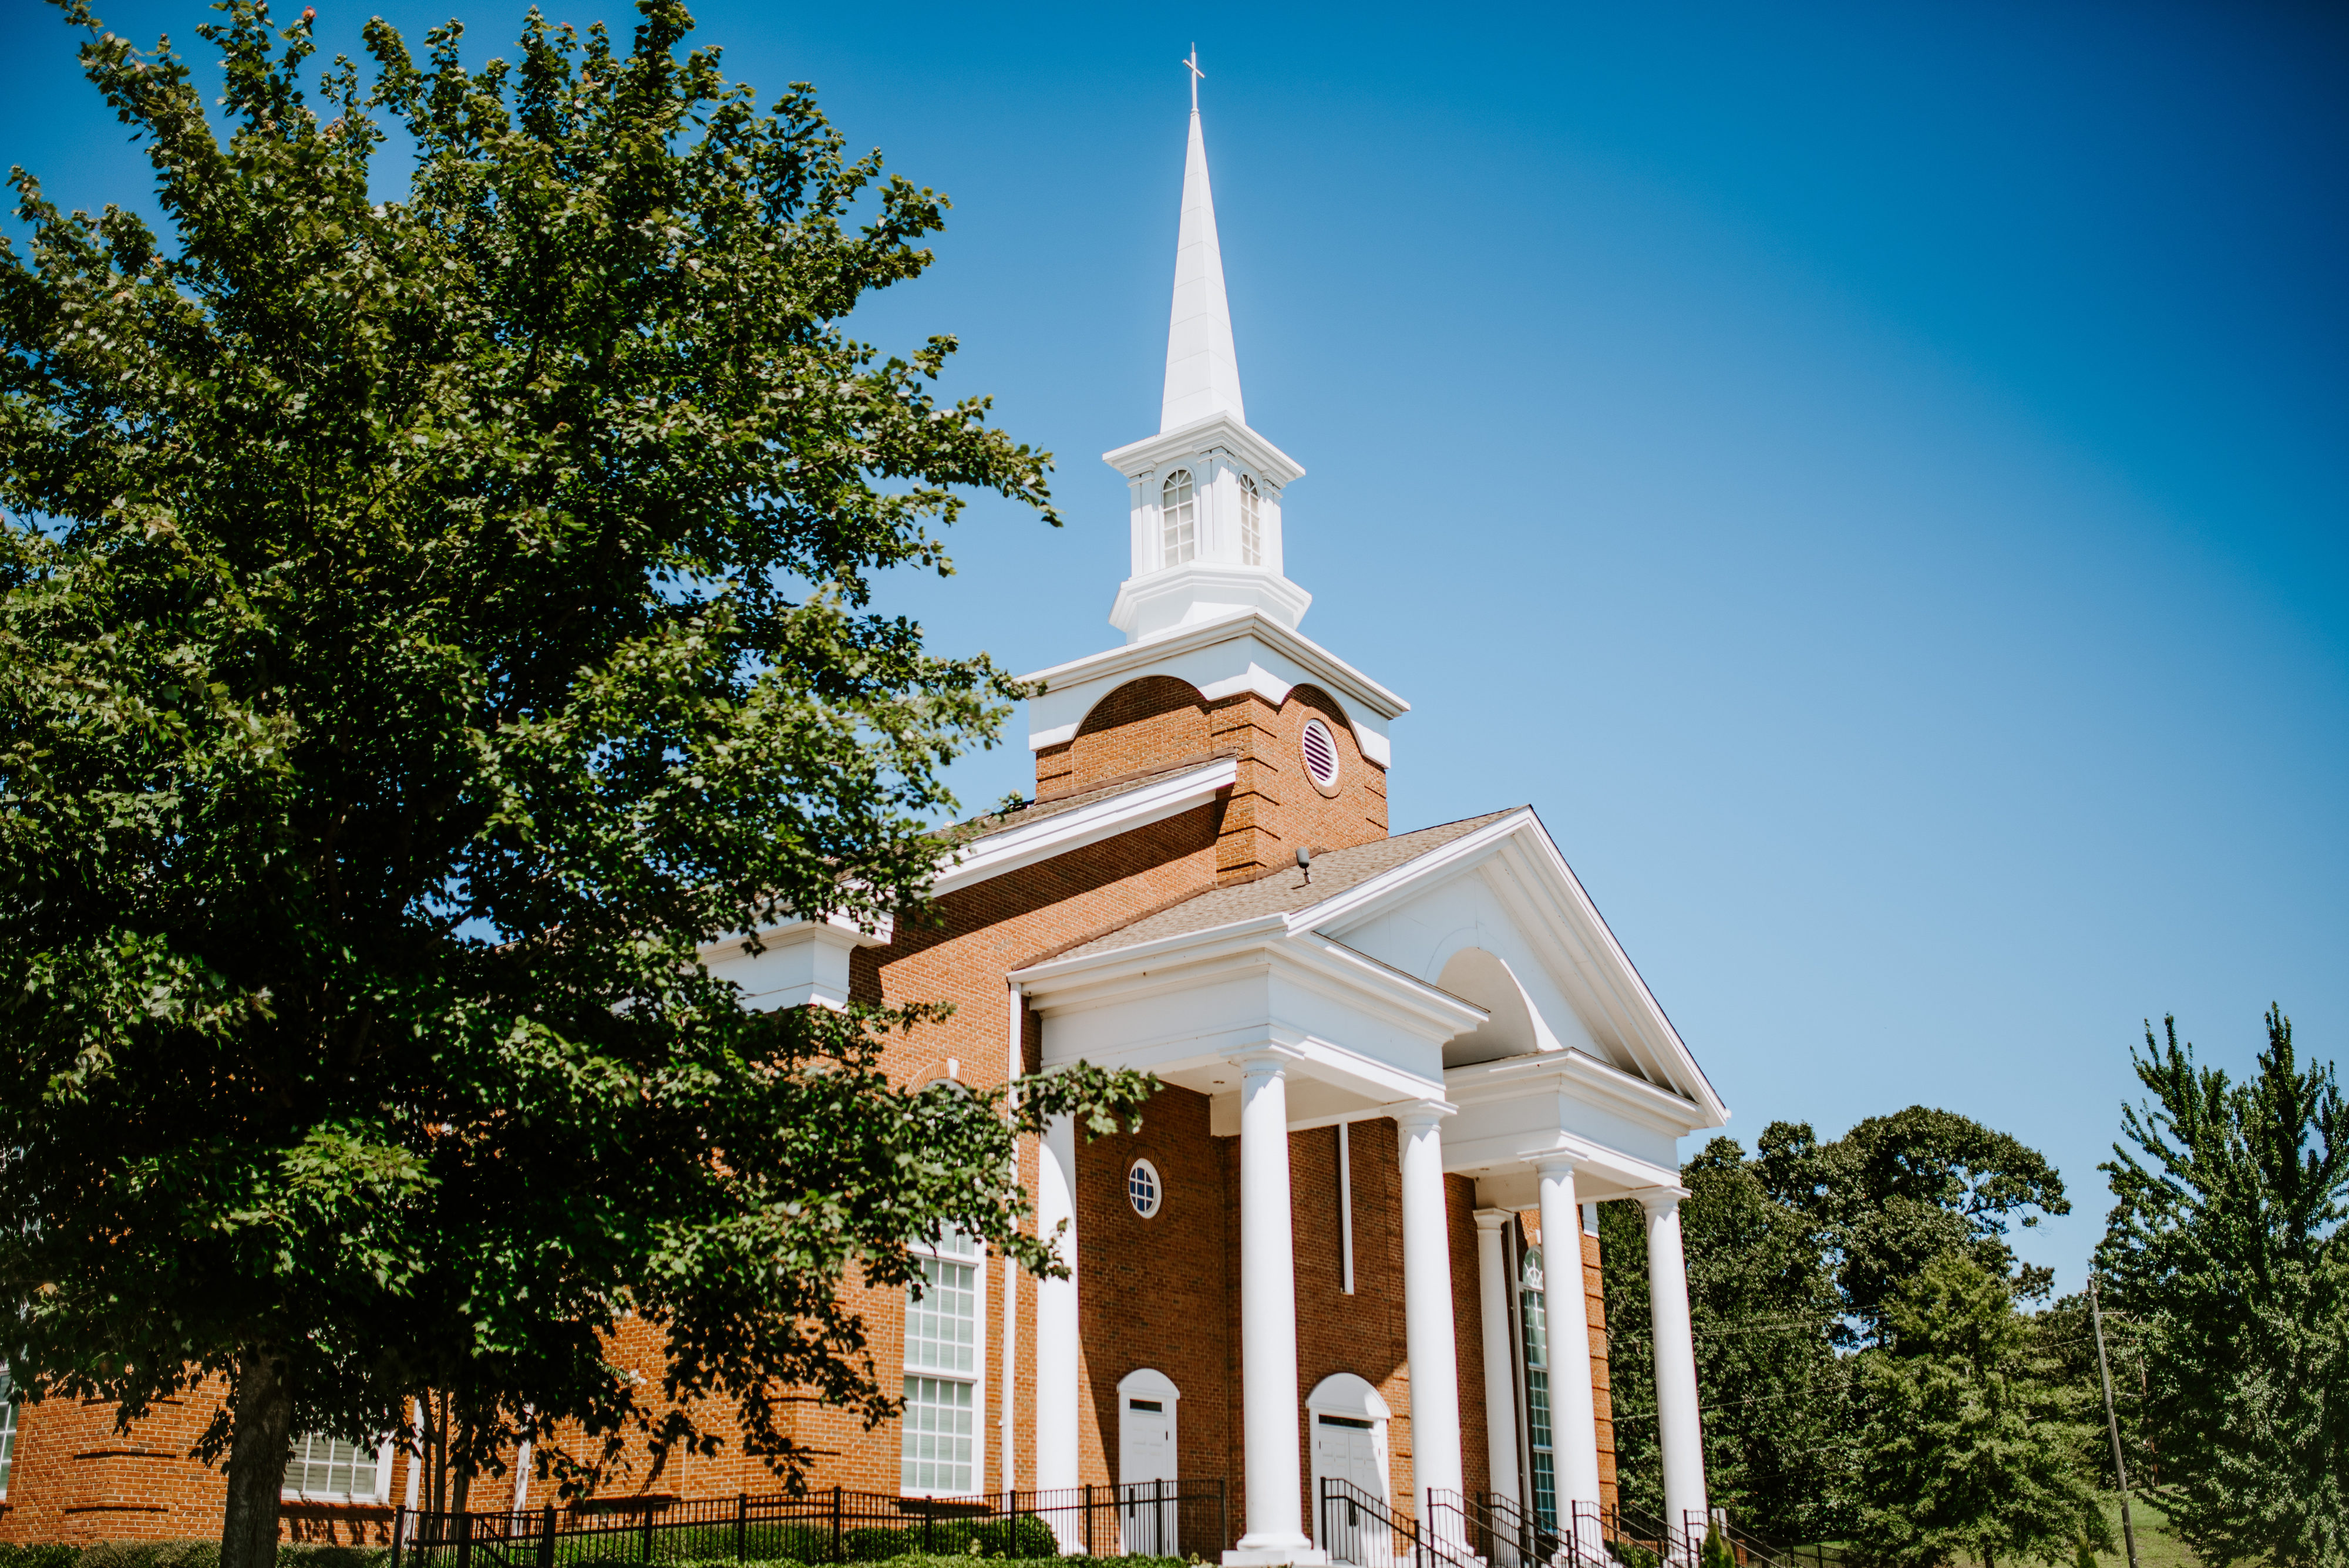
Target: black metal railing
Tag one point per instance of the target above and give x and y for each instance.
(1160, 1518)
(1359, 1528)
(1497, 1529)
(1508, 1536)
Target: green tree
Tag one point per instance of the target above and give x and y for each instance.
(2225, 1244)
(1897, 1191)
(1761, 1307)
(1794, 1254)
(1974, 1445)
(426, 623)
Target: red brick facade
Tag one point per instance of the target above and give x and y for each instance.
(1159, 1293)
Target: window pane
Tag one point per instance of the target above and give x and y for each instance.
(7, 1431)
(1177, 523)
(1538, 1423)
(942, 1327)
(937, 1455)
(323, 1467)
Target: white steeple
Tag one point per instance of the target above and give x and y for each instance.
(1206, 491)
(1202, 372)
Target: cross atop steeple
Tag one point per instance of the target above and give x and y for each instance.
(1197, 76)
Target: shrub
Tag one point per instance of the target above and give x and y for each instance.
(47, 1555)
(151, 1554)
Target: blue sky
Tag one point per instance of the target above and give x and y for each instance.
(1874, 477)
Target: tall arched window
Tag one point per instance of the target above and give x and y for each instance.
(1534, 1310)
(1178, 523)
(1251, 524)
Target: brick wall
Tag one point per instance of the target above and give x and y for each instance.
(1274, 806)
(1161, 1293)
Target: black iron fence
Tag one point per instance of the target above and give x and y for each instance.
(1162, 1518)
(1507, 1536)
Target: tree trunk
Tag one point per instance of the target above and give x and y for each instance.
(262, 1406)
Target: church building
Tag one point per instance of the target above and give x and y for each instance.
(1354, 1240)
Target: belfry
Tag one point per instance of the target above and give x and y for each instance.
(1339, 1299)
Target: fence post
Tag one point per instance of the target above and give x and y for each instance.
(835, 1524)
(741, 1526)
(464, 1540)
(546, 1537)
(648, 1533)
(1088, 1519)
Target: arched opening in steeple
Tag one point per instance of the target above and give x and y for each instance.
(1178, 519)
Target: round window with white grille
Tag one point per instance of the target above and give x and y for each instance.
(1321, 756)
(1143, 1189)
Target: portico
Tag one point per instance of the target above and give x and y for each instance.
(1258, 997)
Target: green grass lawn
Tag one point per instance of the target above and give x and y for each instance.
(2155, 1546)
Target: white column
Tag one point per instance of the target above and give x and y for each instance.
(1677, 1428)
(1500, 1361)
(1268, 1391)
(1574, 1422)
(1427, 1313)
(1058, 1366)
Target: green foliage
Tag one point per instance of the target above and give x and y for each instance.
(183, 1554)
(2225, 1246)
(1764, 1309)
(1780, 1248)
(39, 1555)
(1716, 1552)
(1897, 1191)
(1974, 1445)
(424, 627)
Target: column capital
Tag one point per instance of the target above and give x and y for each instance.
(1493, 1219)
(1660, 1200)
(1417, 1116)
(1551, 1164)
(1260, 1060)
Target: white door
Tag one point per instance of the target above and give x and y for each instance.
(1146, 1473)
(1345, 1449)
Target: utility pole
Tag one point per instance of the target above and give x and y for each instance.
(2112, 1422)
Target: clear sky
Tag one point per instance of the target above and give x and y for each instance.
(1873, 476)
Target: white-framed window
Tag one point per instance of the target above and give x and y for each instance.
(7, 1428)
(327, 1469)
(1251, 524)
(945, 1355)
(1534, 1312)
(1178, 519)
(1145, 1188)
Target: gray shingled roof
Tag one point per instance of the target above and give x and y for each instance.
(992, 822)
(1286, 891)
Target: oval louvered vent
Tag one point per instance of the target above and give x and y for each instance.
(1321, 754)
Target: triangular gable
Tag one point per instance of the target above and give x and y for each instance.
(1505, 885)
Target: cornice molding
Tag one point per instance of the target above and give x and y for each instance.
(1217, 429)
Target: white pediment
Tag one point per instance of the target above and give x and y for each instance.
(1502, 915)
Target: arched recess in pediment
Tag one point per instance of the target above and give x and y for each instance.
(1514, 1029)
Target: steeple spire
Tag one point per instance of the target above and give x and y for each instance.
(1203, 371)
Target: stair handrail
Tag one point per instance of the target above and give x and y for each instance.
(1427, 1549)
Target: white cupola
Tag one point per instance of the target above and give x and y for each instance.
(1206, 491)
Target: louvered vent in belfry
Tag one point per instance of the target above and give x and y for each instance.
(1321, 754)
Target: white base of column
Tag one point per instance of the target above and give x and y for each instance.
(1271, 1556)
